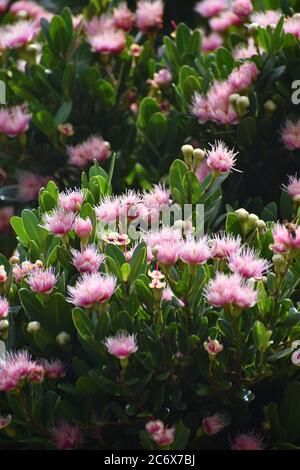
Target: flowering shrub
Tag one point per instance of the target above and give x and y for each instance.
(172, 340)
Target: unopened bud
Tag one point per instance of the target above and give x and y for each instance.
(279, 264)
(39, 263)
(3, 275)
(242, 214)
(14, 260)
(66, 129)
(296, 199)
(261, 225)
(253, 28)
(234, 98)
(270, 106)
(199, 155)
(4, 324)
(242, 105)
(33, 326)
(252, 221)
(63, 338)
(187, 151)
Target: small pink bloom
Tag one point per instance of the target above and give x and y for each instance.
(16, 35)
(71, 200)
(213, 347)
(200, 108)
(132, 206)
(4, 308)
(242, 78)
(248, 441)
(66, 436)
(94, 148)
(242, 7)
(14, 121)
(5, 421)
(88, 260)
(42, 281)
(165, 437)
(293, 187)
(223, 246)
(284, 240)
(213, 424)
(17, 367)
(108, 42)
(54, 369)
(225, 289)
(3, 5)
(245, 51)
(218, 103)
(194, 252)
(290, 135)
(92, 288)
(208, 8)
(163, 78)
(292, 26)
(203, 171)
(211, 42)
(29, 8)
(158, 196)
(83, 227)
(58, 222)
(153, 427)
(21, 271)
(99, 24)
(123, 17)
(3, 274)
(248, 264)
(36, 374)
(108, 210)
(122, 345)
(29, 185)
(296, 358)
(221, 23)
(149, 15)
(220, 158)
(266, 18)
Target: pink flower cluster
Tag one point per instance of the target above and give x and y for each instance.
(285, 240)
(30, 8)
(17, 368)
(208, 8)
(91, 289)
(162, 435)
(212, 425)
(41, 280)
(4, 308)
(248, 264)
(25, 268)
(248, 441)
(59, 222)
(16, 35)
(87, 260)
(149, 15)
(29, 185)
(266, 18)
(242, 7)
(66, 436)
(225, 290)
(54, 369)
(122, 346)
(71, 200)
(216, 106)
(14, 121)
(94, 148)
(290, 135)
(293, 187)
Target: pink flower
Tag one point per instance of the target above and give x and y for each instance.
(242, 7)
(122, 345)
(203, 171)
(66, 436)
(3, 274)
(248, 264)
(94, 148)
(149, 15)
(208, 8)
(92, 288)
(225, 289)
(6, 213)
(29, 185)
(83, 227)
(99, 24)
(17, 367)
(200, 108)
(218, 102)
(123, 17)
(213, 347)
(16, 35)
(5, 420)
(42, 281)
(30, 8)
(108, 210)
(108, 42)
(248, 441)
(221, 23)
(194, 252)
(213, 424)
(88, 260)
(14, 121)
(245, 52)
(290, 135)
(284, 239)
(21, 271)
(223, 246)
(241, 78)
(132, 206)
(266, 18)
(58, 222)
(158, 196)
(4, 308)
(211, 42)
(165, 437)
(153, 427)
(166, 254)
(165, 243)
(293, 187)
(71, 200)
(220, 158)
(296, 358)
(292, 26)
(163, 78)
(54, 369)
(3, 5)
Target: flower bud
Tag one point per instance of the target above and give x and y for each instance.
(242, 214)
(261, 225)
(14, 260)
(4, 324)
(3, 275)
(63, 338)
(279, 264)
(296, 199)
(66, 129)
(242, 105)
(234, 98)
(270, 106)
(252, 221)
(253, 28)
(198, 155)
(33, 326)
(187, 151)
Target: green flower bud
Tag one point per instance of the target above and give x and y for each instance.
(187, 151)
(242, 214)
(63, 338)
(279, 264)
(270, 106)
(33, 326)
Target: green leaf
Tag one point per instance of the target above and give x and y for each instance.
(106, 94)
(177, 173)
(182, 435)
(83, 323)
(63, 113)
(18, 226)
(138, 264)
(247, 131)
(157, 128)
(148, 107)
(32, 306)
